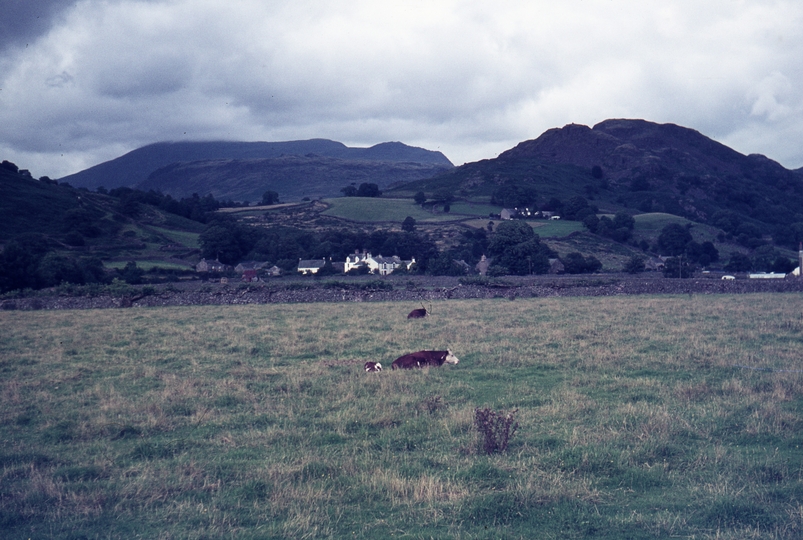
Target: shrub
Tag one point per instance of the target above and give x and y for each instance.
(635, 265)
(495, 428)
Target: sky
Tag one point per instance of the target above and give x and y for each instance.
(85, 81)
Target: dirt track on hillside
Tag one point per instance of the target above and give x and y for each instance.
(414, 289)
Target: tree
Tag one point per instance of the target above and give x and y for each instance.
(514, 196)
(20, 260)
(349, 191)
(81, 221)
(420, 198)
(526, 258)
(368, 190)
(591, 222)
(328, 269)
(783, 265)
(576, 208)
(9, 166)
(677, 267)
(596, 171)
(575, 263)
(270, 197)
(673, 239)
(739, 262)
(445, 265)
(518, 249)
(131, 273)
(92, 270)
(635, 265)
(226, 241)
(623, 219)
(408, 225)
(509, 234)
(443, 195)
(54, 269)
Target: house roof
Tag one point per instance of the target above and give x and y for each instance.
(316, 263)
(387, 260)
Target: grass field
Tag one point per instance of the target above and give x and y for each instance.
(639, 417)
(148, 265)
(556, 228)
(656, 221)
(184, 238)
(377, 209)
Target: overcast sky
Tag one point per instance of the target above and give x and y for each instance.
(85, 81)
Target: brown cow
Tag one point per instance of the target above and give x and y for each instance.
(372, 366)
(419, 313)
(422, 359)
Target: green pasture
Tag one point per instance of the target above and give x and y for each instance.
(371, 209)
(655, 221)
(185, 238)
(148, 265)
(638, 417)
(555, 228)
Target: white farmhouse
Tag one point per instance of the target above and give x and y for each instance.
(376, 265)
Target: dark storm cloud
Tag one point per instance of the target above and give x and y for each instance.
(470, 78)
(22, 21)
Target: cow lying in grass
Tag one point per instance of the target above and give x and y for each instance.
(372, 366)
(423, 359)
(420, 313)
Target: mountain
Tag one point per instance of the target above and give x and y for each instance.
(292, 177)
(625, 149)
(183, 168)
(639, 166)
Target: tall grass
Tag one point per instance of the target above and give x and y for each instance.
(638, 417)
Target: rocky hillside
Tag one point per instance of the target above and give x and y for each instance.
(639, 166)
(625, 149)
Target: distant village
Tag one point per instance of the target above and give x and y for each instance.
(366, 263)
(358, 262)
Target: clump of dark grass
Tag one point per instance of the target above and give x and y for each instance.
(495, 428)
(434, 405)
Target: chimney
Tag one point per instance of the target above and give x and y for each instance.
(800, 260)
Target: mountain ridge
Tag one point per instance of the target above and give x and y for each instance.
(134, 168)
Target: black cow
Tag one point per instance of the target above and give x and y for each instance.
(422, 359)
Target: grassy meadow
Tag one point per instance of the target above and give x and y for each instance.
(370, 209)
(639, 417)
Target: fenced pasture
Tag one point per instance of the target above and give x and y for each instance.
(637, 417)
(371, 209)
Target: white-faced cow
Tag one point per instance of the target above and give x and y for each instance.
(423, 359)
(372, 366)
(419, 313)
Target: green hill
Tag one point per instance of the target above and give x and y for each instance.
(70, 228)
(638, 167)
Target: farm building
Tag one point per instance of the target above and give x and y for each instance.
(249, 265)
(311, 266)
(376, 265)
(210, 266)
